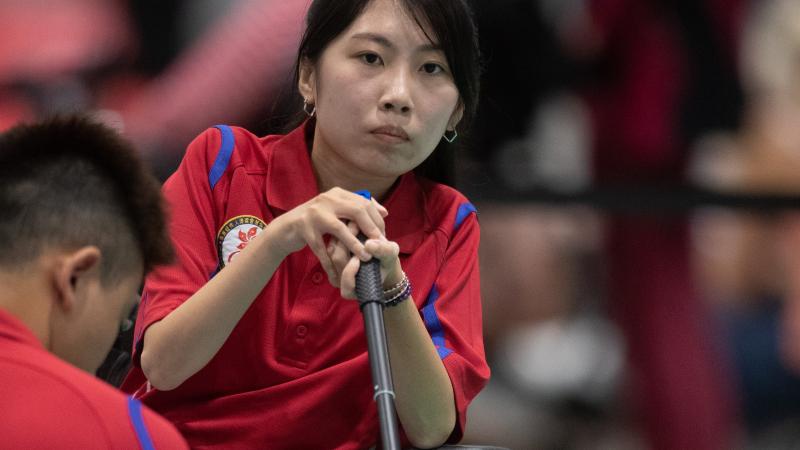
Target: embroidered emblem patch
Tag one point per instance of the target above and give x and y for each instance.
(234, 236)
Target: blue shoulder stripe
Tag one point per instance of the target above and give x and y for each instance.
(464, 210)
(223, 157)
(135, 413)
(433, 324)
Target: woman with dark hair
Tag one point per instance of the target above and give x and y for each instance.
(242, 343)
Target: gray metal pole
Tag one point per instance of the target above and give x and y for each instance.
(369, 290)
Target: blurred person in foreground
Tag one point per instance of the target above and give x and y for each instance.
(248, 341)
(82, 222)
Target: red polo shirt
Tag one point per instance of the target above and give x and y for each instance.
(47, 403)
(294, 372)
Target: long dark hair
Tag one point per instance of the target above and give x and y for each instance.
(454, 28)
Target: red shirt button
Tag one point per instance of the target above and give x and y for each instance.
(301, 330)
(317, 277)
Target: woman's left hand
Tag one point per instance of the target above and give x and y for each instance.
(347, 265)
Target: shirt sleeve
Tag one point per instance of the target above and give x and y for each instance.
(192, 230)
(452, 315)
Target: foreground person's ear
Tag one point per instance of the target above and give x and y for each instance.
(72, 273)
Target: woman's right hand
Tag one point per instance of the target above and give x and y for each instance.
(328, 214)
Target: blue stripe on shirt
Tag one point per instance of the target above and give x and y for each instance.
(223, 157)
(135, 413)
(432, 323)
(463, 211)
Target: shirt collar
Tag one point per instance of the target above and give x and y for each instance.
(290, 160)
(407, 222)
(13, 329)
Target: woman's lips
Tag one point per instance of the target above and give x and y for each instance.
(391, 134)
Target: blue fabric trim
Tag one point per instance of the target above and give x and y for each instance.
(364, 193)
(135, 413)
(463, 211)
(433, 324)
(223, 157)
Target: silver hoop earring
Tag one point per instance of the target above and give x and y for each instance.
(450, 139)
(305, 108)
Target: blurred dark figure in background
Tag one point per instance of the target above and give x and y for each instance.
(524, 66)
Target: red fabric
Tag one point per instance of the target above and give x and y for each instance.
(633, 110)
(684, 392)
(47, 403)
(294, 372)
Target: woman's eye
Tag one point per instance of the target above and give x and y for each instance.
(370, 58)
(432, 68)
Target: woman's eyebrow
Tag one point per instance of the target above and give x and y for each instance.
(384, 41)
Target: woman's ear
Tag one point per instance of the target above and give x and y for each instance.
(306, 83)
(73, 271)
(456, 117)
